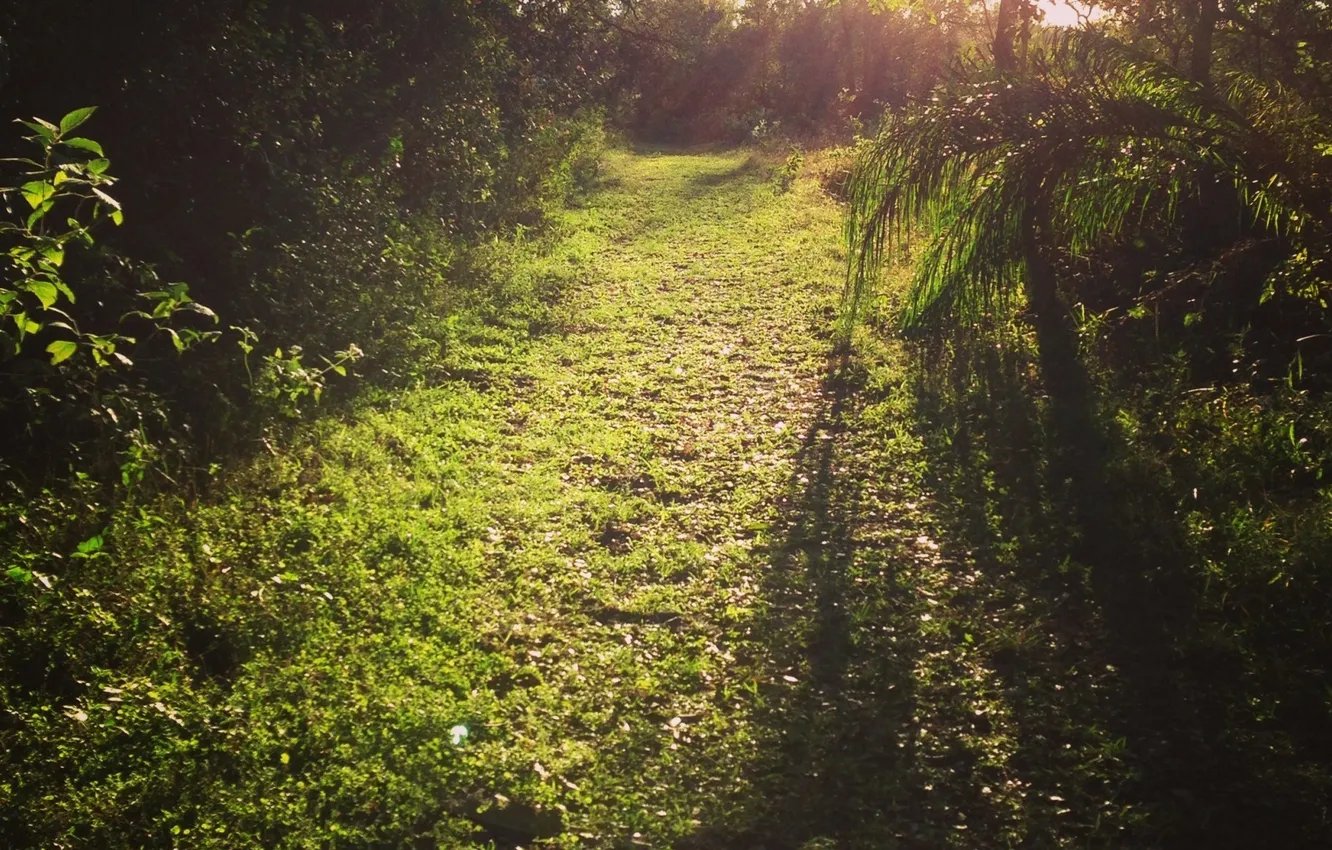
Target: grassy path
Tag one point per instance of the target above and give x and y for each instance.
(636, 487)
(710, 568)
(672, 567)
(671, 573)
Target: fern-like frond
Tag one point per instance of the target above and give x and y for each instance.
(1103, 140)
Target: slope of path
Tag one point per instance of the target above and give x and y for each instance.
(704, 599)
(671, 572)
(712, 565)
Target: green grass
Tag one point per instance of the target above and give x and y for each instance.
(687, 575)
(562, 552)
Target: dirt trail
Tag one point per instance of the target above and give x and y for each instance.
(711, 573)
(671, 411)
(717, 604)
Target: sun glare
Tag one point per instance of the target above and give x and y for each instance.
(1066, 13)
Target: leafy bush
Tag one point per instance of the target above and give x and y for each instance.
(34, 287)
(351, 187)
(789, 170)
(71, 311)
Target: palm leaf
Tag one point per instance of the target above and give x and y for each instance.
(1105, 140)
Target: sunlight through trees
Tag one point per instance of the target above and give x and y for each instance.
(699, 424)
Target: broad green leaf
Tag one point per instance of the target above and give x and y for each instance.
(55, 256)
(61, 350)
(117, 217)
(25, 325)
(18, 575)
(39, 213)
(45, 291)
(42, 128)
(75, 118)
(107, 199)
(196, 307)
(37, 193)
(83, 144)
(98, 166)
(91, 545)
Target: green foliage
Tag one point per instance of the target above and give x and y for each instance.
(384, 192)
(789, 170)
(68, 179)
(1105, 143)
(285, 378)
(704, 71)
(617, 542)
(1164, 505)
(73, 312)
(282, 658)
(1215, 583)
(315, 172)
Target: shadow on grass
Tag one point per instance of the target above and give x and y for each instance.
(843, 768)
(708, 182)
(1121, 715)
(1092, 558)
(850, 689)
(1102, 555)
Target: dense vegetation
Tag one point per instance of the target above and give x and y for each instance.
(390, 460)
(1125, 274)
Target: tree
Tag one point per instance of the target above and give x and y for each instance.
(1014, 176)
(1013, 17)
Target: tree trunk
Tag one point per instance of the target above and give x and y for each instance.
(1005, 35)
(1200, 59)
(1056, 335)
(1078, 443)
(1143, 23)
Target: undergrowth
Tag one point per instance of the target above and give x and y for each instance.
(642, 557)
(1193, 636)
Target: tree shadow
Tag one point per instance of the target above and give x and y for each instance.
(847, 689)
(708, 182)
(1076, 696)
(848, 762)
(1096, 549)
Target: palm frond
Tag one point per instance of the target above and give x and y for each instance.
(1106, 140)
